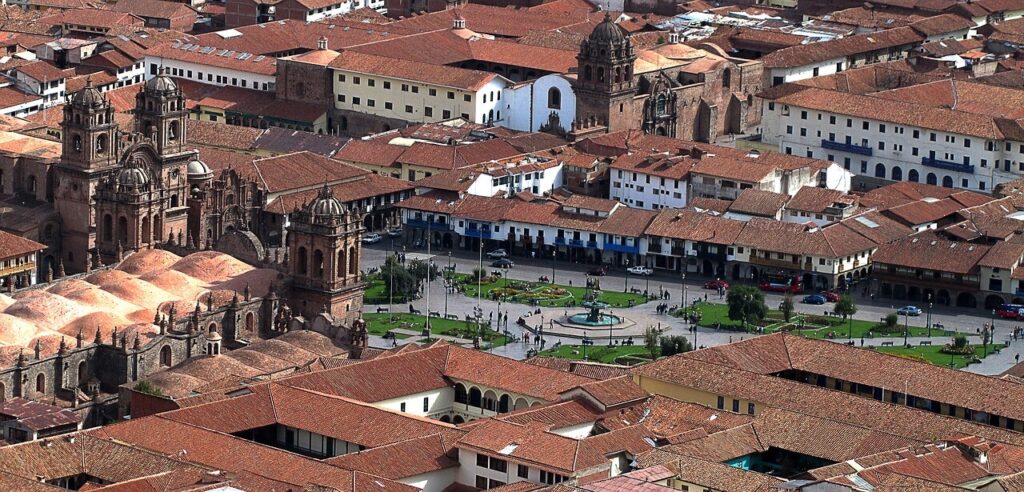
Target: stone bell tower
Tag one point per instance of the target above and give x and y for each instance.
(324, 259)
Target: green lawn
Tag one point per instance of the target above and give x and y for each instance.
(598, 353)
(546, 294)
(815, 326)
(377, 292)
(379, 324)
(933, 354)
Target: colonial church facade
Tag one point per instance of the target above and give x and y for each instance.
(671, 89)
(134, 205)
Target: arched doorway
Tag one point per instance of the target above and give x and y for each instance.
(458, 420)
(490, 400)
(165, 356)
(947, 182)
(446, 419)
(897, 173)
(504, 404)
(461, 396)
(966, 299)
(250, 322)
(913, 176)
(520, 403)
(475, 396)
(40, 383)
(880, 170)
(931, 179)
(83, 374)
(942, 297)
(993, 301)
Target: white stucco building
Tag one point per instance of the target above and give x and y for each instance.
(530, 105)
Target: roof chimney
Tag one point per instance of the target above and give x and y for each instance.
(321, 44)
(459, 22)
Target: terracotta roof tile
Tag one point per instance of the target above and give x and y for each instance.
(442, 75)
(807, 54)
(12, 245)
(762, 203)
(930, 254)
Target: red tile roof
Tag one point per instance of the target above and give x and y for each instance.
(810, 53)
(12, 245)
(442, 75)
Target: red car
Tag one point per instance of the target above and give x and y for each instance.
(716, 284)
(598, 271)
(831, 296)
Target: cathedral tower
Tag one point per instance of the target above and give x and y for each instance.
(324, 257)
(89, 140)
(605, 86)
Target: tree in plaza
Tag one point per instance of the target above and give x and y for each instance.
(746, 304)
(419, 270)
(397, 279)
(479, 273)
(891, 320)
(651, 342)
(787, 306)
(845, 306)
(675, 344)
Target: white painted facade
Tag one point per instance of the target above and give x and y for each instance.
(470, 470)
(435, 481)
(333, 10)
(426, 404)
(51, 91)
(897, 152)
(537, 182)
(530, 104)
(778, 76)
(23, 109)
(131, 75)
(640, 190)
(209, 74)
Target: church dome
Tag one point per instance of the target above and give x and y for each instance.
(198, 168)
(607, 32)
(325, 204)
(161, 83)
(132, 178)
(88, 96)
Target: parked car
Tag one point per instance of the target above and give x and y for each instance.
(814, 299)
(640, 270)
(716, 284)
(909, 311)
(395, 233)
(831, 296)
(498, 253)
(371, 238)
(598, 271)
(503, 263)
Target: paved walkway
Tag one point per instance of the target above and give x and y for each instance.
(646, 315)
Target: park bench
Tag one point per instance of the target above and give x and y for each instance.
(887, 344)
(926, 342)
(452, 316)
(382, 309)
(435, 314)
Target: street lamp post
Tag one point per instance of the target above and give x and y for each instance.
(929, 315)
(682, 284)
(430, 263)
(554, 253)
(985, 335)
(849, 333)
(446, 287)
(585, 343)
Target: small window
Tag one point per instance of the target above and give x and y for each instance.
(402, 407)
(750, 409)
(387, 85)
(523, 471)
(408, 109)
(355, 80)
(466, 97)
(721, 403)
(481, 460)
(432, 92)
(736, 406)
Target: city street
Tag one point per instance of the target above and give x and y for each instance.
(646, 315)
